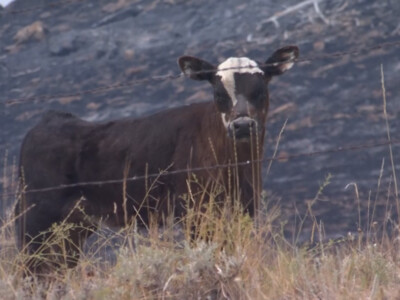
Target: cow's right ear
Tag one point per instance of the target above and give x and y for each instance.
(196, 68)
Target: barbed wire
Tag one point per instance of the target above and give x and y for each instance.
(100, 89)
(351, 51)
(106, 88)
(40, 7)
(284, 157)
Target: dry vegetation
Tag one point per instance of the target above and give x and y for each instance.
(239, 261)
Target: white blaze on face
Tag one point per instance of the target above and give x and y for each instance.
(227, 70)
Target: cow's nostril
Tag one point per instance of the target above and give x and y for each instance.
(236, 125)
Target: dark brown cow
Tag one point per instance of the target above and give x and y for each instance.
(65, 150)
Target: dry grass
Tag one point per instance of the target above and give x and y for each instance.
(238, 261)
(233, 258)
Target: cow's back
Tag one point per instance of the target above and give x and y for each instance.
(49, 150)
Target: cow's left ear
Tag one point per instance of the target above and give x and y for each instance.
(282, 60)
(196, 68)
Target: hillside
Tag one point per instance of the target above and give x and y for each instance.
(62, 50)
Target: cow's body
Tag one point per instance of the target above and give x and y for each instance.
(65, 150)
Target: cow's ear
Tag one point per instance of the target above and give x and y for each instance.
(281, 61)
(196, 68)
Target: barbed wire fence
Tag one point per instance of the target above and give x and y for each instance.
(121, 85)
(163, 173)
(170, 77)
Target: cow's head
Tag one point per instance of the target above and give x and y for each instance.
(241, 87)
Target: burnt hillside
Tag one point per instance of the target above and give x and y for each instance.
(51, 48)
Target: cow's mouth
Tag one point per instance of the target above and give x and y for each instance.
(242, 128)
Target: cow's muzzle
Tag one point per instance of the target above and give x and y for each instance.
(242, 128)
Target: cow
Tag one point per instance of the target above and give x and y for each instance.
(73, 171)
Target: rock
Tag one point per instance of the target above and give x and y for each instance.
(34, 32)
(114, 6)
(103, 47)
(65, 44)
(129, 54)
(319, 45)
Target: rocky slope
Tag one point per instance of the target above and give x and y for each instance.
(64, 48)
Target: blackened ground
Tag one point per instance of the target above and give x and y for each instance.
(327, 102)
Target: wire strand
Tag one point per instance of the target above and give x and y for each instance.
(103, 89)
(213, 167)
